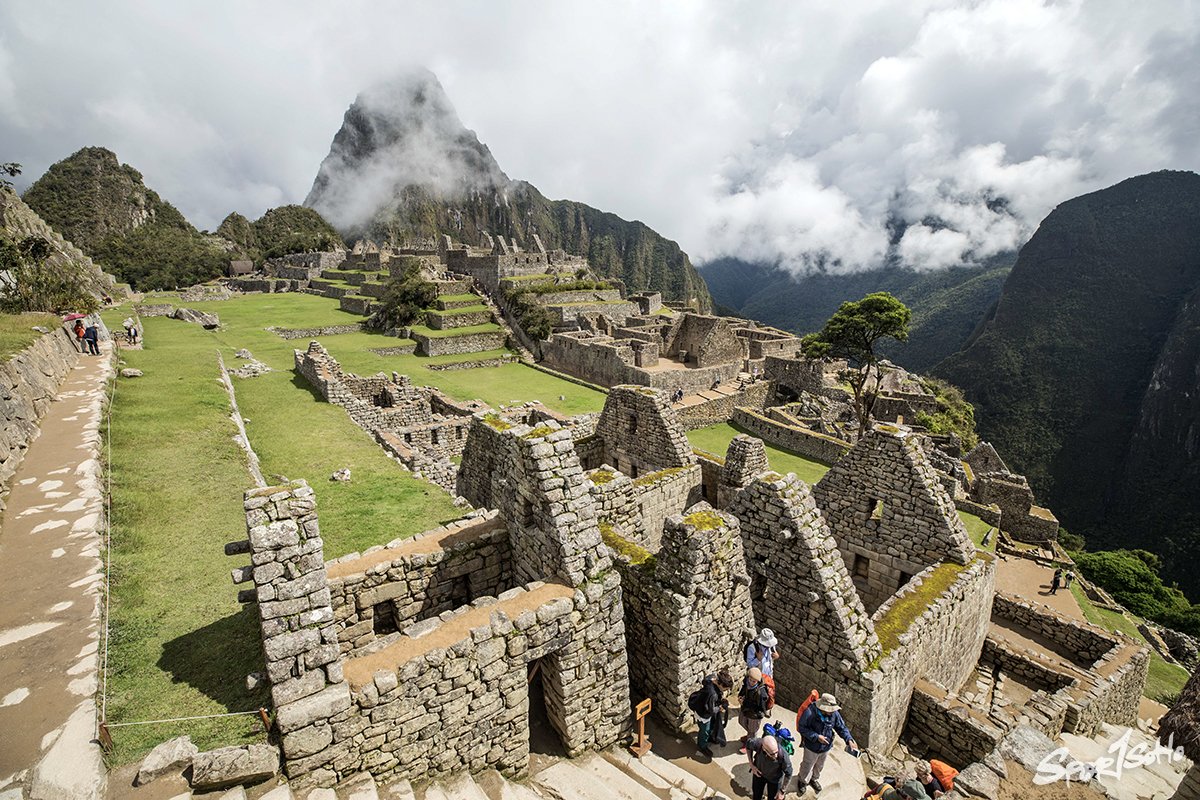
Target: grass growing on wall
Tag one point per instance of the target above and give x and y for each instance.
(715, 439)
(17, 333)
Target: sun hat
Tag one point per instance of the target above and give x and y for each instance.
(754, 674)
(767, 638)
(913, 790)
(828, 703)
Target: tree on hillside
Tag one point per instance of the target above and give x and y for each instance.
(853, 333)
(11, 170)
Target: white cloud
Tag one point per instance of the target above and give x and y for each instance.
(778, 130)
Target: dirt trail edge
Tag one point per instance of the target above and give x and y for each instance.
(51, 568)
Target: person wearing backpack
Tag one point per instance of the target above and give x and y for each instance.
(770, 768)
(936, 776)
(820, 721)
(762, 652)
(708, 703)
(755, 703)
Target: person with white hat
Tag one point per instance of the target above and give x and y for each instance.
(770, 768)
(761, 652)
(820, 721)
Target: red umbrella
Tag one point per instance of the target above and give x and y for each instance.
(70, 317)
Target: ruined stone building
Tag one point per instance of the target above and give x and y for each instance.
(608, 562)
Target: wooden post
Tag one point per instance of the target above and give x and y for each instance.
(642, 745)
(105, 737)
(266, 719)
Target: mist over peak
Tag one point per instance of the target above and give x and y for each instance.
(399, 133)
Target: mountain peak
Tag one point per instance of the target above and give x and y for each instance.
(400, 133)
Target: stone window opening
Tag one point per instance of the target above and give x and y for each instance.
(383, 618)
(433, 436)
(862, 566)
(408, 438)
(459, 433)
(876, 509)
(905, 577)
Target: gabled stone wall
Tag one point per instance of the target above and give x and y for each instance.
(687, 612)
(889, 512)
(641, 432)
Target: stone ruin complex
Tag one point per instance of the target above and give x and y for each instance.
(607, 561)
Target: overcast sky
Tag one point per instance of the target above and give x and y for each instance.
(788, 131)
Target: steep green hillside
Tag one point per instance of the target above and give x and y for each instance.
(1087, 375)
(283, 230)
(403, 165)
(947, 305)
(103, 207)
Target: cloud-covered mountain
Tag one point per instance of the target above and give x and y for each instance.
(403, 165)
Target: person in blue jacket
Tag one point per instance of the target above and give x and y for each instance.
(820, 721)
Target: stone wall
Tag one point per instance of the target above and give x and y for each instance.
(641, 432)
(303, 266)
(312, 333)
(445, 320)
(453, 345)
(706, 340)
(797, 375)
(687, 612)
(300, 643)
(356, 304)
(616, 310)
(952, 730)
(889, 512)
(409, 580)
(720, 409)
(809, 443)
(639, 507)
(941, 644)
(800, 589)
(1086, 641)
(29, 380)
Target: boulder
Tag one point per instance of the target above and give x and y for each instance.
(341, 475)
(130, 372)
(170, 756)
(1027, 746)
(204, 320)
(231, 766)
(978, 781)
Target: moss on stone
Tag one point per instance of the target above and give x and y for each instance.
(637, 555)
(651, 477)
(539, 432)
(708, 456)
(496, 422)
(603, 476)
(704, 520)
(905, 610)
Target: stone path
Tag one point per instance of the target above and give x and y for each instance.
(50, 568)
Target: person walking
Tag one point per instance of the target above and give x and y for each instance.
(761, 652)
(770, 768)
(753, 699)
(1056, 581)
(820, 721)
(91, 337)
(79, 334)
(708, 703)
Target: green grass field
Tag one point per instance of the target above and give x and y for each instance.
(17, 333)
(181, 643)
(454, 333)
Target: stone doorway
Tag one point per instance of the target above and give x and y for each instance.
(546, 713)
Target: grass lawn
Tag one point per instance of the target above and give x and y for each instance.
(449, 312)
(977, 529)
(1164, 681)
(715, 439)
(17, 333)
(453, 333)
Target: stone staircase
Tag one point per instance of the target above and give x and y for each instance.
(612, 775)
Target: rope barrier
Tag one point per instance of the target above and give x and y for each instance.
(182, 719)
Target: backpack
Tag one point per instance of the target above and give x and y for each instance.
(782, 735)
(808, 701)
(769, 682)
(696, 702)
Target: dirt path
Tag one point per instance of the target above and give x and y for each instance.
(50, 568)
(1031, 580)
